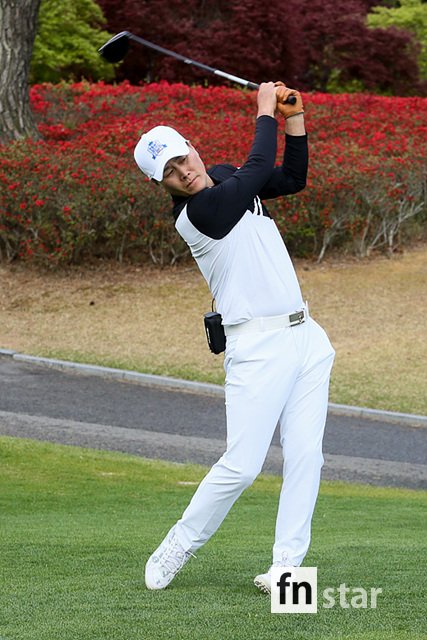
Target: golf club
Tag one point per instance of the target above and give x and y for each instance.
(117, 47)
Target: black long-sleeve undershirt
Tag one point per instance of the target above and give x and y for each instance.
(215, 211)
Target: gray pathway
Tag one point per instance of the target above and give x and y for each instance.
(93, 411)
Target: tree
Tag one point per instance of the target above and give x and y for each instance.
(246, 39)
(18, 23)
(67, 42)
(311, 44)
(410, 15)
(257, 41)
(342, 52)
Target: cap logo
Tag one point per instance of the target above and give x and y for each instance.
(155, 147)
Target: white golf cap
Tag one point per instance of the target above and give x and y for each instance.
(156, 148)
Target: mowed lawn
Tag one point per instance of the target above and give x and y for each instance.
(78, 525)
(150, 320)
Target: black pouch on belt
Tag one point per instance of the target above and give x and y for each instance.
(214, 331)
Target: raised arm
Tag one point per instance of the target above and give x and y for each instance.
(215, 211)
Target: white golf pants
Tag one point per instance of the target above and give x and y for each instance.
(277, 376)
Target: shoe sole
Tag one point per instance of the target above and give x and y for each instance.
(152, 587)
(262, 586)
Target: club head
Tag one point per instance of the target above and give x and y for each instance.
(116, 48)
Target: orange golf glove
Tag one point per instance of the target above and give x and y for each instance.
(286, 109)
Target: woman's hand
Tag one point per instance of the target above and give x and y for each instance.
(267, 100)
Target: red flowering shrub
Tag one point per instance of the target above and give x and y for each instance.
(79, 194)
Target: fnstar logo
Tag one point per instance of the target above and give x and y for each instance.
(294, 590)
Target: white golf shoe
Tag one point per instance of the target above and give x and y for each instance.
(263, 580)
(163, 565)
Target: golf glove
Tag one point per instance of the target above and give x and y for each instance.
(286, 109)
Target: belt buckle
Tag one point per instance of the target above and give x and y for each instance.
(296, 318)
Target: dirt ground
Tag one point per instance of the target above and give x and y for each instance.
(375, 312)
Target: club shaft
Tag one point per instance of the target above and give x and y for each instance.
(200, 65)
(150, 45)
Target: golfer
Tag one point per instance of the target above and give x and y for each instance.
(277, 358)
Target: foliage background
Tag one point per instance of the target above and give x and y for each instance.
(336, 46)
(78, 194)
(66, 46)
(410, 15)
(315, 45)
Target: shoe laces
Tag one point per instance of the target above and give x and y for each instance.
(281, 563)
(174, 556)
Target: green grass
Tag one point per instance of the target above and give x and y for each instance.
(78, 525)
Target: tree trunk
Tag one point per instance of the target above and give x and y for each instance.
(18, 25)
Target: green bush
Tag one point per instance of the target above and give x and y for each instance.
(78, 194)
(68, 38)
